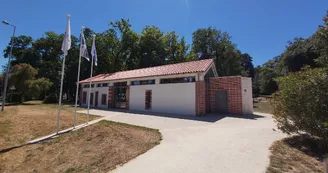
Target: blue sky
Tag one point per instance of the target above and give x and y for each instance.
(258, 27)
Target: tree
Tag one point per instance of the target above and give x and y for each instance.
(322, 39)
(152, 52)
(298, 53)
(247, 64)
(301, 104)
(175, 49)
(256, 81)
(212, 43)
(22, 76)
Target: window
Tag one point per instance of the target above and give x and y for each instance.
(103, 99)
(91, 99)
(178, 80)
(87, 85)
(99, 85)
(84, 98)
(120, 84)
(105, 84)
(143, 82)
(148, 99)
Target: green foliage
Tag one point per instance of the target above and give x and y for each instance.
(121, 48)
(301, 104)
(247, 64)
(266, 81)
(22, 77)
(322, 39)
(212, 43)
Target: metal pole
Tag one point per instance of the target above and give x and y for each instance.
(90, 88)
(60, 93)
(77, 83)
(7, 72)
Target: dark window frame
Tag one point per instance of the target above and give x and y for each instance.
(103, 99)
(188, 79)
(143, 82)
(148, 99)
(84, 97)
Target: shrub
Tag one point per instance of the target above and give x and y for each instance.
(301, 103)
(51, 98)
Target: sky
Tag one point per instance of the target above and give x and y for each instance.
(260, 28)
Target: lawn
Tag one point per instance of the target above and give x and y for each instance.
(297, 154)
(97, 148)
(21, 123)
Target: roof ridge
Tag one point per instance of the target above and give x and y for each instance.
(164, 65)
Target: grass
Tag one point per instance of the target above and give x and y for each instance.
(263, 105)
(97, 148)
(300, 154)
(27, 121)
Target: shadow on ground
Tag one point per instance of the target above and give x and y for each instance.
(210, 117)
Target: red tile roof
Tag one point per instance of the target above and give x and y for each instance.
(171, 69)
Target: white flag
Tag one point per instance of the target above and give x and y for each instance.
(94, 51)
(84, 50)
(67, 39)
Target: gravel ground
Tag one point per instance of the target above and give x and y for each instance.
(212, 144)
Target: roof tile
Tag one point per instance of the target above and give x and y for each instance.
(171, 69)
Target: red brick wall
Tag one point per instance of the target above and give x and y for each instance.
(200, 98)
(110, 97)
(233, 87)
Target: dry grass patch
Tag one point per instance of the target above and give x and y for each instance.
(297, 154)
(21, 123)
(96, 148)
(263, 107)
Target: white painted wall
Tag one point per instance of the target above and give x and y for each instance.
(247, 95)
(178, 98)
(101, 90)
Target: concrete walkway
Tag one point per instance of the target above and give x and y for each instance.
(211, 144)
(54, 135)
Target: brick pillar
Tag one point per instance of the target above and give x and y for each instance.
(127, 94)
(200, 98)
(110, 96)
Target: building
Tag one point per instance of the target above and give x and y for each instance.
(189, 88)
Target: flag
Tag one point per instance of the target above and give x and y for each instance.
(84, 50)
(67, 39)
(94, 51)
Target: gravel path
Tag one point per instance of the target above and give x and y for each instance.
(212, 144)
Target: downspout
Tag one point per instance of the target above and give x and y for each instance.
(198, 95)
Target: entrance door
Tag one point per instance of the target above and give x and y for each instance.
(96, 99)
(221, 101)
(120, 97)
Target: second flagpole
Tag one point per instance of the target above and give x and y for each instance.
(78, 78)
(93, 36)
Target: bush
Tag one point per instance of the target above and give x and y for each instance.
(301, 103)
(51, 98)
(15, 97)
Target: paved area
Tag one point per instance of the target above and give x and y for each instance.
(212, 144)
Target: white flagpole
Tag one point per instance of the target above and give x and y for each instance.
(65, 48)
(90, 81)
(78, 79)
